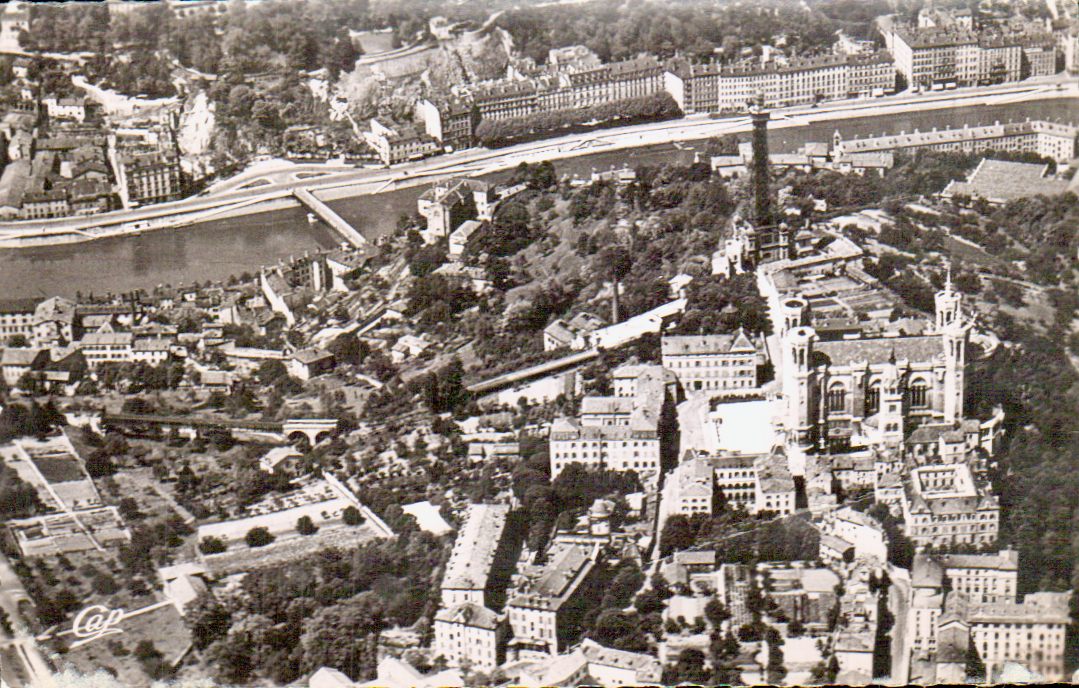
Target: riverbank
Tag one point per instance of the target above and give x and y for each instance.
(230, 243)
(479, 162)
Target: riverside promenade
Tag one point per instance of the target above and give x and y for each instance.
(268, 190)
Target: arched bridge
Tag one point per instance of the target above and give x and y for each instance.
(314, 429)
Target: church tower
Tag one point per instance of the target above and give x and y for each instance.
(890, 416)
(949, 305)
(797, 373)
(955, 334)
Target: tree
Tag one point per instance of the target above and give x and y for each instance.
(212, 545)
(689, 668)
(352, 516)
(258, 537)
(305, 526)
(104, 584)
(344, 636)
(716, 612)
(99, 464)
(209, 621)
(677, 535)
(348, 348)
(342, 55)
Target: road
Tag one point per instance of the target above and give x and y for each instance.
(281, 183)
(899, 594)
(33, 670)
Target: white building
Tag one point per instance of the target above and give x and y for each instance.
(983, 578)
(540, 609)
(725, 363)
(1030, 632)
(469, 635)
(862, 531)
(944, 506)
(690, 488)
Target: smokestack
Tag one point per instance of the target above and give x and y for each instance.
(762, 201)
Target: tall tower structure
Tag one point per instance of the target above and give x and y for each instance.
(955, 334)
(762, 201)
(798, 351)
(949, 305)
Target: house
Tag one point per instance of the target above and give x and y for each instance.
(309, 363)
(408, 346)
(14, 363)
(573, 334)
(447, 204)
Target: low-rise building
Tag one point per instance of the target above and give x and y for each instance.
(397, 143)
(460, 237)
(447, 204)
(572, 334)
(308, 363)
(1001, 181)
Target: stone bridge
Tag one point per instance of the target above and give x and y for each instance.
(313, 429)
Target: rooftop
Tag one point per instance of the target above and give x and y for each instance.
(474, 549)
(1000, 181)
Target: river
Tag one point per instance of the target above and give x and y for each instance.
(217, 249)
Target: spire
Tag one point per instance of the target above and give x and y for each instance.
(948, 278)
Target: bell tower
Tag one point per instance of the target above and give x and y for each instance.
(949, 304)
(955, 335)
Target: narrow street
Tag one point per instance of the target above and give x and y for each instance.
(33, 670)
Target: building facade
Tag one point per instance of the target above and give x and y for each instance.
(468, 634)
(715, 363)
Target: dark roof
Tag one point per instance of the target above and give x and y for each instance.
(914, 349)
(19, 305)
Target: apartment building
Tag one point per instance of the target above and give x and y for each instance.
(690, 488)
(17, 317)
(1031, 632)
(756, 483)
(450, 122)
(150, 177)
(396, 143)
(106, 346)
(931, 55)
(983, 578)
(718, 363)
(612, 447)
(714, 87)
(575, 84)
(1050, 139)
